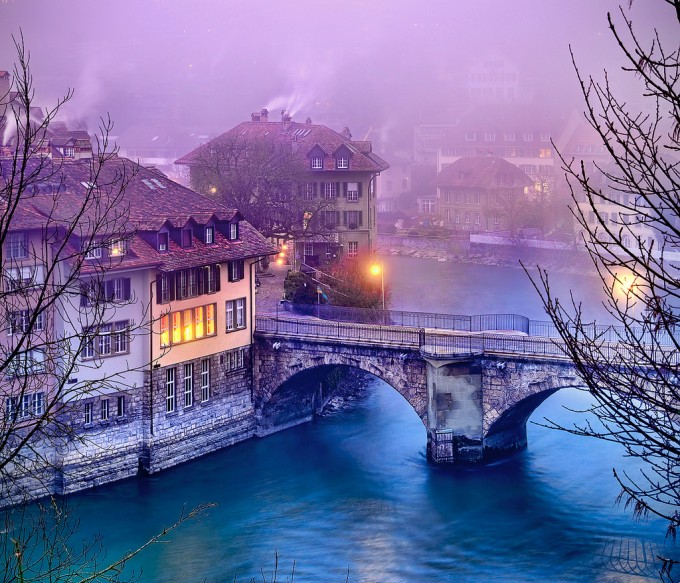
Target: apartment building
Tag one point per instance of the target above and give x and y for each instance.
(128, 308)
(327, 166)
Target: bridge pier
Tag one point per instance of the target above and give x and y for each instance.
(455, 418)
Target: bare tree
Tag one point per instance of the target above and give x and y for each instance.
(48, 230)
(261, 176)
(628, 211)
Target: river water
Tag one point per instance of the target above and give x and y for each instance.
(351, 495)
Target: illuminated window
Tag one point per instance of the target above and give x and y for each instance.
(188, 325)
(176, 327)
(165, 333)
(118, 248)
(210, 319)
(199, 329)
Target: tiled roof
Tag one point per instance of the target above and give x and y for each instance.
(305, 136)
(481, 172)
(149, 202)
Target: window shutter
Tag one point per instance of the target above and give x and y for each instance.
(241, 269)
(323, 190)
(108, 290)
(344, 189)
(217, 278)
(83, 295)
(360, 219)
(230, 271)
(344, 218)
(337, 218)
(171, 286)
(316, 189)
(359, 185)
(200, 279)
(126, 289)
(159, 287)
(337, 188)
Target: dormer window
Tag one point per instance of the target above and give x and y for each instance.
(233, 231)
(317, 163)
(163, 242)
(69, 152)
(209, 235)
(118, 248)
(187, 239)
(342, 162)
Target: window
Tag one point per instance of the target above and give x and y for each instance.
(545, 137)
(112, 290)
(69, 152)
(188, 385)
(528, 137)
(477, 219)
(489, 136)
(456, 217)
(163, 241)
(309, 191)
(118, 248)
(308, 249)
(317, 163)
(233, 231)
(193, 282)
(205, 379)
(17, 246)
(187, 238)
(235, 314)
(330, 218)
(330, 190)
(470, 136)
(164, 291)
(545, 153)
(28, 362)
(170, 390)
(20, 321)
(120, 409)
(352, 248)
(210, 279)
(353, 219)
(342, 162)
(16, 278)
(236, 270)
(352, 192)
(509, 137)
(235, 359)
(209, 235)
(88, 413)
(109, 340)
(93, 252)
(104, 405)
(187, 325)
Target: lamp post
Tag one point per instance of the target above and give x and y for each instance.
(378, 269)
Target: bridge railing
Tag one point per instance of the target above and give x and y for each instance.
(475, 323)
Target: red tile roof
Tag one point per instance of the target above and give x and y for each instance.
(304, 136)
(482, 172)
(149, 202)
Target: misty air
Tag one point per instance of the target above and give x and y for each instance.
(357, 292)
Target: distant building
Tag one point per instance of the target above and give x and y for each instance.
(481, 194)
(331, 167)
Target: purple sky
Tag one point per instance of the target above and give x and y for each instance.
(210, 63)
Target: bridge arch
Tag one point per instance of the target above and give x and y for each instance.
(294, 379)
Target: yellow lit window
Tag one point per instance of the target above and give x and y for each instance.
(176, 327)
(199, 322)
(188, 325)
(165, 333)
(210, 319)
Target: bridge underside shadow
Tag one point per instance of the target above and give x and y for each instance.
(301, 397)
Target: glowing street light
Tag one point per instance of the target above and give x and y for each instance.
(378, 269)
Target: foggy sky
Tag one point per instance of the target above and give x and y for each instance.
(371, 63)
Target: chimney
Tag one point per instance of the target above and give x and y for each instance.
(264, 115)
(255, 117)
(285, 117)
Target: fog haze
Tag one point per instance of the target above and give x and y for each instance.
(380, 64)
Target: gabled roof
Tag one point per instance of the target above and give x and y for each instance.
(305, 136)
(149, 201)
(482, 172)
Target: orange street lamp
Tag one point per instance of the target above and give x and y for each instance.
(378, 269)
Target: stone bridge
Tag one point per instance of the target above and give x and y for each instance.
(473, 392)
